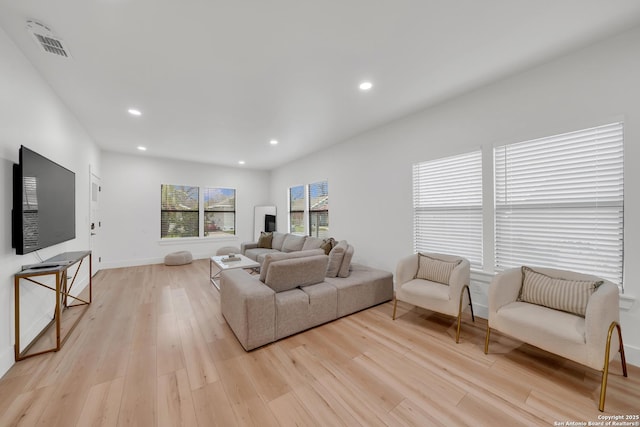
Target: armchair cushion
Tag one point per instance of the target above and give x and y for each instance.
(435, 269)
(561, 294)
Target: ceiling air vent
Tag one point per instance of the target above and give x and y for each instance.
(47, 40)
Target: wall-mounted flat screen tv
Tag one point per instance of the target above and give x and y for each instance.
(44, 203)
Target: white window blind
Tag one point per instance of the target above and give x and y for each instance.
(559, 202)
(447, 203)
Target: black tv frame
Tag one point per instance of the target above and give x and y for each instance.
(54, 220)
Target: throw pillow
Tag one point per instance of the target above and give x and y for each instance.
(434, 269)
(328, 244)
(561, 294)
(345, 268)
(335, 258)
(264, 241)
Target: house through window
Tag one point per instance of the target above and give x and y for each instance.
(309, 209)
(179, 214)
(219, 211)
(191, 211)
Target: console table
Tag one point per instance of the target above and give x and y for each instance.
(62, 291)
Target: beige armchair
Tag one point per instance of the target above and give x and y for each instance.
(436, 282)
(584, 339)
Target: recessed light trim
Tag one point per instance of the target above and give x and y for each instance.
(141, 148)
(273, 142)
(364, 86)
(134, 112)
(241, 162)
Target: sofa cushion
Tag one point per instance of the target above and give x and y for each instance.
(265, 239)
(335, 258)
(365, 287)
(293, 243)
(268, 258)
(435, 269)
(345, 267)
(257, 254)
(561, 294)
(294, 272)
(312, 243)
(278, 240)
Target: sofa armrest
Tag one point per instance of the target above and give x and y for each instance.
(504, 289)
(602, 309)
(460, 276)
(247, 245)
(406, 269)
(249, 307)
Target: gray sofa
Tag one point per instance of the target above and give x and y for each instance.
(292, 294)
(281, 242)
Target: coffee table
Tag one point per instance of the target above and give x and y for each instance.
(222, 262)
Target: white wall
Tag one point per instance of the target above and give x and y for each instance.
(32, 115)
(370, 175)
(130, 206)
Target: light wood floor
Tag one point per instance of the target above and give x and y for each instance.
(153, 349)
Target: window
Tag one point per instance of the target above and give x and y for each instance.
(319, 209)
(447, 206)
(315, 208)
(559, 202)
(219, 211)
(179, 215)
(182, 208)
(296, 209)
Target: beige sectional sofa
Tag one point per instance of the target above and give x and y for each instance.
(293, 293)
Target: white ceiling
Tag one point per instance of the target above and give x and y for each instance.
(216, 80)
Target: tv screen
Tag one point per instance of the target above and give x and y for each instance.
(269, 223)
(44, 208)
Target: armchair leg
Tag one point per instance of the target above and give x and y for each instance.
(486, 340)
(605, 371)
(460, 311)
(395, 304)
(473, 318)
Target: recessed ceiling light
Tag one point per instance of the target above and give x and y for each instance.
(134, 112)
(141, 148)
(366, 85)
(273, 142)
(241, 162)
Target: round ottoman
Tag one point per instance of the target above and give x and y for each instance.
(226, 250)
(178, 258)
